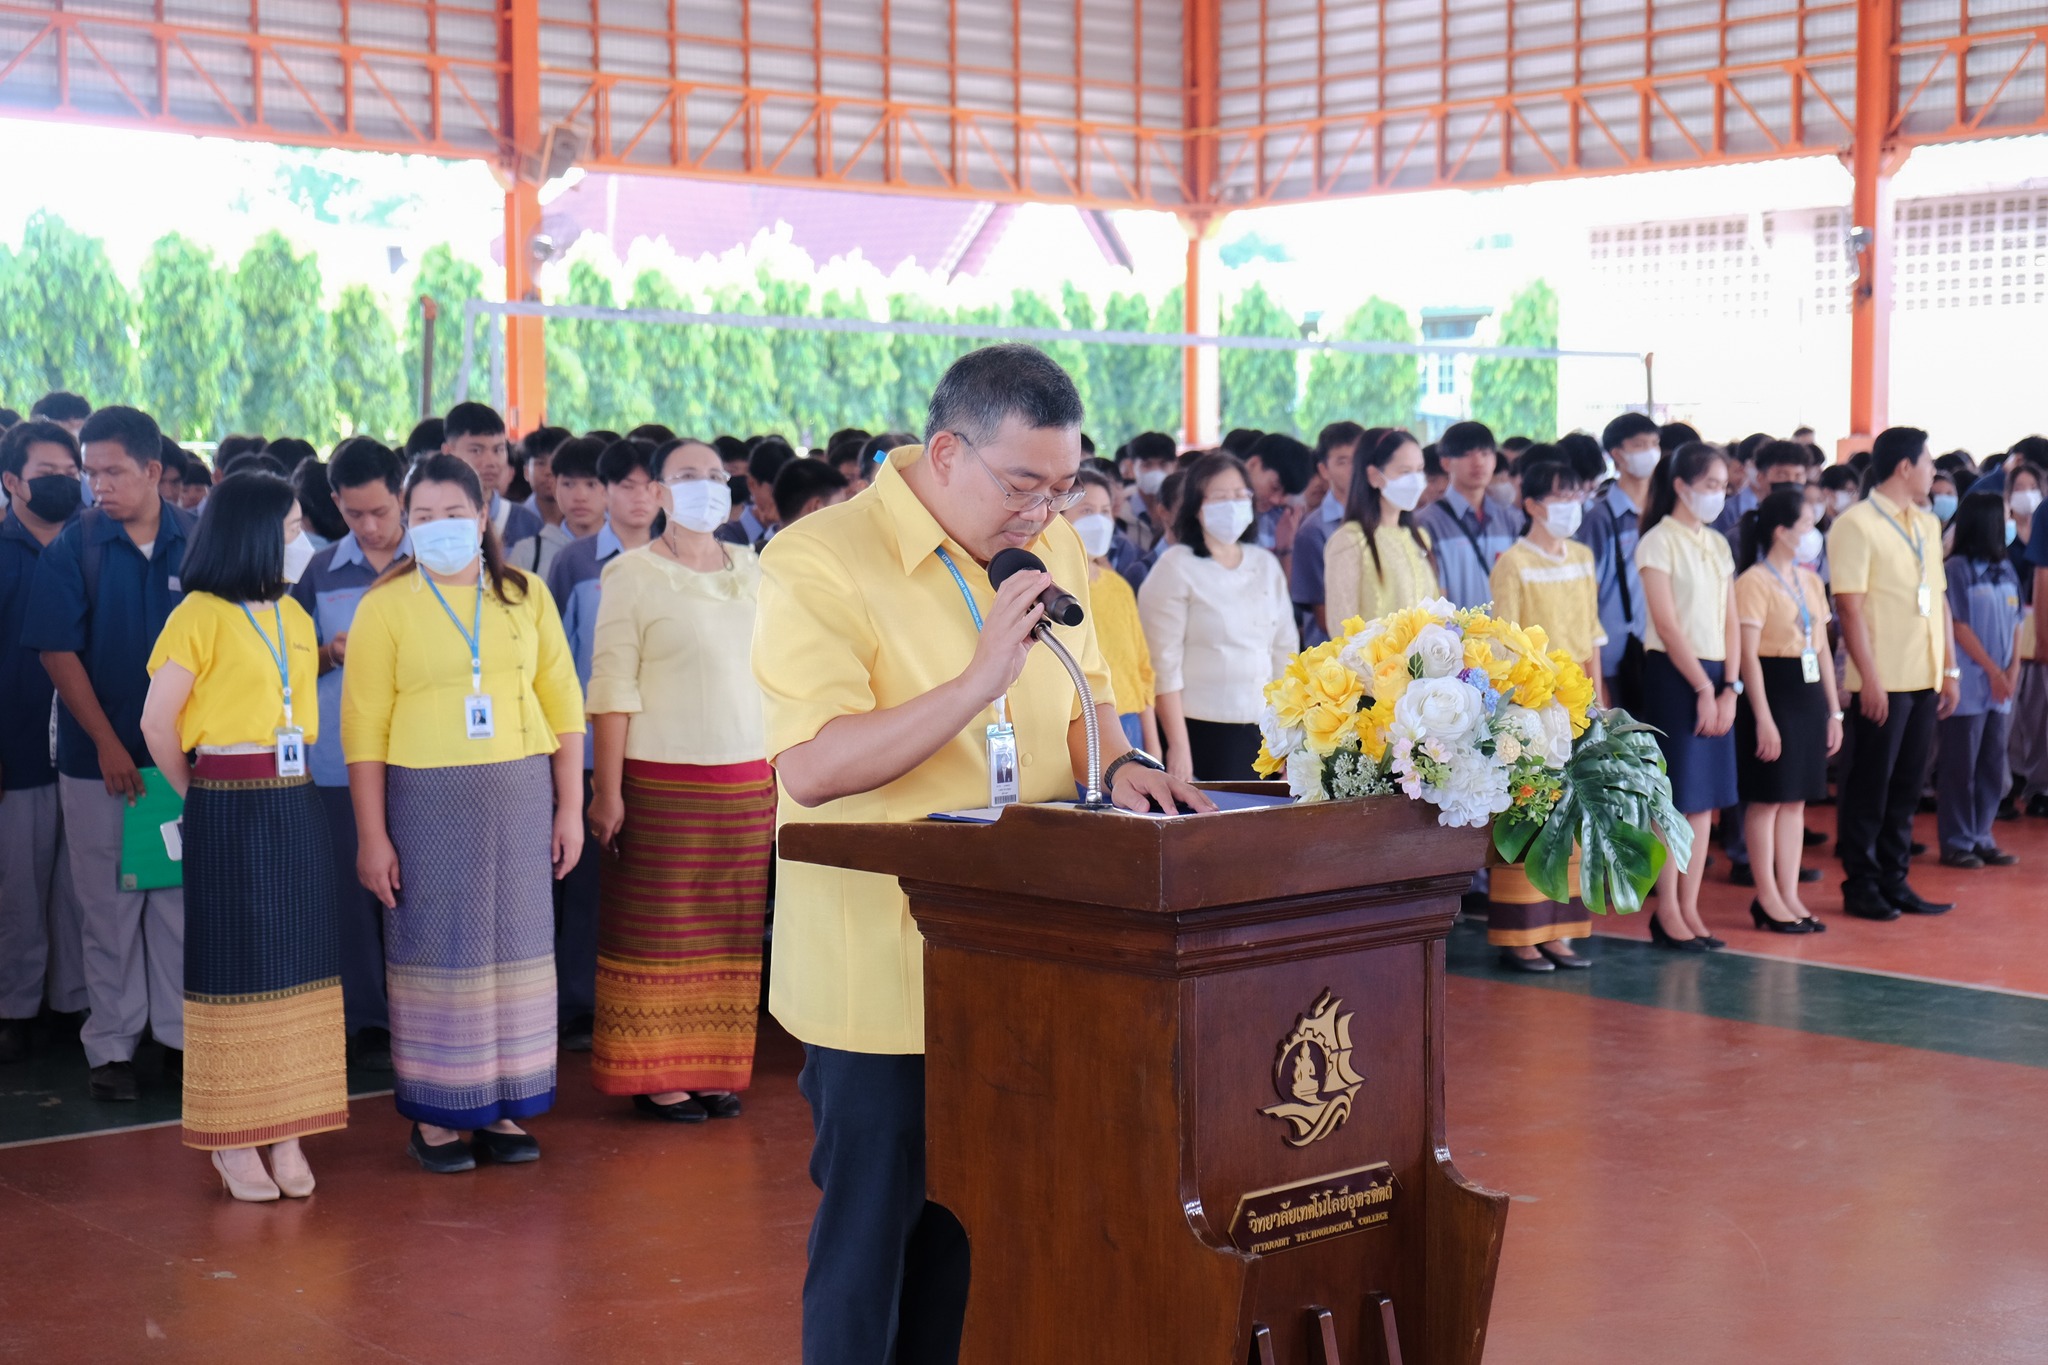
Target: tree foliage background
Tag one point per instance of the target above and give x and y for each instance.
(64, 317)
(451, 282)
(189, 338)
(1257, 389)
(1372, 390)
(369, 373)
(1518, 397)
(287, 380)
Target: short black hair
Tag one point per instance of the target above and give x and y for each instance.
(8, 418)
(542, 442)
(1893, 447)
(1462, 438)
(363, 461)
(316, 500)
(426, 437)
(1294, 462)
(237, 550)
(172, 457)
(231, 446)
(19, 437)
(1544, 476)
(984, 388)
(730, 448)
(253, 461)
(576, 458)
(768, 458)
(1779, 508)
(1585, 455)
(802, 480)
(1782, 455)
(1152, 445)
(1672, 435)
(654, 433)
(471, 419)
(60, 406)
(1334, 437)
(601, 434)
(134, 430)
(1240, 440)
(622, 457)
(291, 452)
(1979, 526)
(1187, 516)
(1626, 428)
(1515, 445)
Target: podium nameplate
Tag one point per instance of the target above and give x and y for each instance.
(1314, 1210)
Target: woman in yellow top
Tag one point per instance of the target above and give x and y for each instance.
(682, 794)
(232, 681)
(1369, 575)
(1115, 608)
(462, 726)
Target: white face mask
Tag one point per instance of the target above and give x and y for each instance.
(1706, 506)
(701, 505)
(2025, 502)
(1501, 492)
(448, 546)
(1563, 518)
(1096, 531)
(1150, 481)
(298, 553)
(1807, 551)
(1226, 521)
(1406, 491)
(1641, 464)
(1841, 500)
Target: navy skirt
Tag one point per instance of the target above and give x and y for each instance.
(1702, 768)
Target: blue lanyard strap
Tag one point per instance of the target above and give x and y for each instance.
(474, 636)
(277, 654)
(1002, 705)
(1913, 540)
(1798, 595)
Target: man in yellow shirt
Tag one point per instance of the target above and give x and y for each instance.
(884, 658)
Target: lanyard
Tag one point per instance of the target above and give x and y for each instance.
(1805, 611)
(1478, 515)
(1913, 541)
(277, 655)
(1002, 703)
(474, 636)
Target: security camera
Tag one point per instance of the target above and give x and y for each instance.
(1860, 240)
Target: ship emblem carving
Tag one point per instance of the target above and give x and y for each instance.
(1313, 1074)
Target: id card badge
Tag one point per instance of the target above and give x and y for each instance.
(1002, 765)
(1809, 667)
(291, 751)
(476, 716)
(1925, 599)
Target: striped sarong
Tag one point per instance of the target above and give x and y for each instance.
(265, 1046)
(469, 950)
(679, 929)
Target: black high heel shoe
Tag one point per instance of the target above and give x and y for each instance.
(1765, 920)
(1661, 936)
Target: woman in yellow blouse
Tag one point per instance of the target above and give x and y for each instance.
(232, 681)
(1368, 575)
(462, 726)
(682, 795)
(1115, 609)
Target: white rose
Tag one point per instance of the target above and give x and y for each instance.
(1442, 607)
(1555, 748)
(1281, 740)
(1441, 652)
(1443, 708)
(1305, 777)
(1356, 654)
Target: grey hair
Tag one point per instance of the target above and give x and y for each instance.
(984, 387)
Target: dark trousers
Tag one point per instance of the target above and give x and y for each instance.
(1970, 778)
(360, 919)
(887, 1283)
(1875, 809)
(1222, 752)
(576, 931)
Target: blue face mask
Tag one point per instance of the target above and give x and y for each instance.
(2012, 530)
(1944, 506)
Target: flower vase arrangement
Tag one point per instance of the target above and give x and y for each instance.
(1480, 718)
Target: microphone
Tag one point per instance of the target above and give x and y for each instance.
(1060, 605)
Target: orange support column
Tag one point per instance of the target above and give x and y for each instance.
(526, 374)
(1201, 67)
(1872, 159)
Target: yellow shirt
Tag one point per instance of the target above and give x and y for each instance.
(858, 614)
(1873, 556)
(683, 638)
(1701, 567)
(1115, 609)
(1764, 601)
(408, 673)
(1561, 595)
(236, 695)
(1351, 588)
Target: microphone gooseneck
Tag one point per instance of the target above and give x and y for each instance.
(1062, 607)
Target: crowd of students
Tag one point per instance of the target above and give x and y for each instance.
(472, 751)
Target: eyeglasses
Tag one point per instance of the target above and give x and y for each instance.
(1016, 500)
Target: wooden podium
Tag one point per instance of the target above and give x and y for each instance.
(1185, 1080)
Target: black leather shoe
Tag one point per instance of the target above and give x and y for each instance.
(1864, 902)
(114, 1081)
(445, 1159)
(1571, 962)
(1911, 902)
(1814, 838)
(1740, 875)
(682, 1111)
(1763, 919)
(1960, 857)
(1994, 856)
(1917, 849)
(13, 1039)
(2037, 804)
(719, 1106)
(1709, 941)
(1809, 875)
(2007, 810)
(1538, 963)
(507, 1149)
(1661, 936)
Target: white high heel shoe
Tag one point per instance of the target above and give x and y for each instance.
(248, 1191)
(293, 1184)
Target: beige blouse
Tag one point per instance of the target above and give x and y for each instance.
(1351, 588)
(672, 651)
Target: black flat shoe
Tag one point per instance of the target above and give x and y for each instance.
(719, 1106)
(682, 1111)
(1512, 963)
(1960, 857)
(1571, 962)
(575, 1035)
(447, 1158)
(1994, 856)
(1765, 920)
(1661, 936)
(1910, 902)
(507, 1149)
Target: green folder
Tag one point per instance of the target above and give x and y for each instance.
(152, 845)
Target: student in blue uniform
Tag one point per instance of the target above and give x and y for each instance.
(1984, 599)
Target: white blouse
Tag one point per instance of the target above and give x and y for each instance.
(1218, 635)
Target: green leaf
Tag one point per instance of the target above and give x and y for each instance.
(1511, 837)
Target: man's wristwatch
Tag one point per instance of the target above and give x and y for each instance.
(1732, 685)
(1132, 755)
(1952, 673)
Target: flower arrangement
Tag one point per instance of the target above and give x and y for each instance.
(1479, 717)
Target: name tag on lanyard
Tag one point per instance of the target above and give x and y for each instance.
(1809, 667)
(1003, 786)
(291, 751)
(1924, 597)
(477, 717)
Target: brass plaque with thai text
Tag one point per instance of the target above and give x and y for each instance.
(1315, 1210)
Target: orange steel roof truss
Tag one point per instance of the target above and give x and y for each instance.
(1196, 108)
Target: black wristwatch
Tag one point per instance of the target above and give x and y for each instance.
(1131, 755)
(1730, 685)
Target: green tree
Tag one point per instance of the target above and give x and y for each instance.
(1514, 395)
(859, 370)
(678, 364)
(190, 338)
(450, 282)
(1030, 309)
(1372, 390)
(1080, 315)
(920, 361)
(744, 398)
(801, 387)
(617, 399)
(288, 387)
(568, 386)
(1257, 388)
(66, 317)
(1133, 388)
(369, 376)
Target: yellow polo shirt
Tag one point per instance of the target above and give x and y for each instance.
(1114, 607)
(1873, 556)
(859, 614)
(237, 697)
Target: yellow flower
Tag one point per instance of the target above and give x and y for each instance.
(1265, 765)
(1574, 690)
(1390, 680)
(1329, 728)
(1352, 626)
(1331, 683)
(1290, 695)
